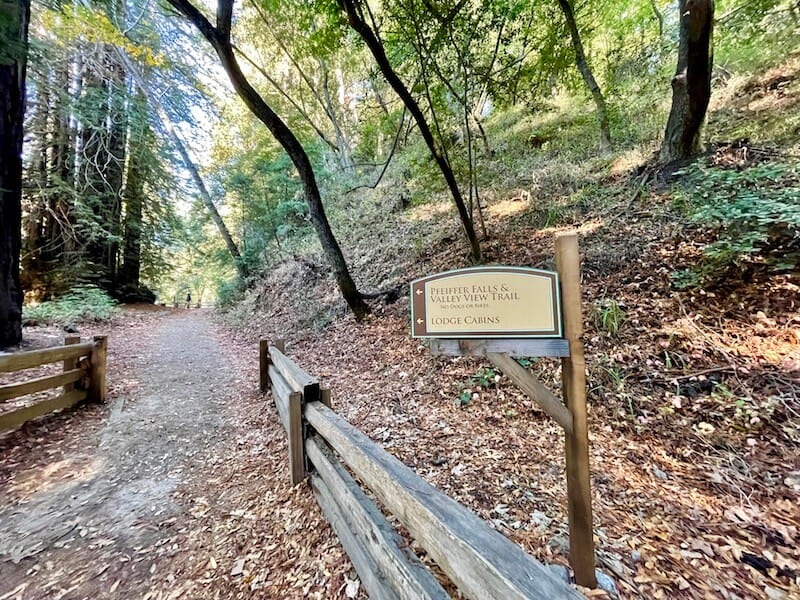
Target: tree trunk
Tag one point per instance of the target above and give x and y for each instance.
(691, 85)
(140, 138)
(342, 141)
(360, 26)
(14, 19)
(219, 38)
(588, 76)
(115, 167)
(91, 186)
(62, 203)
(35, 178)
(155, 104)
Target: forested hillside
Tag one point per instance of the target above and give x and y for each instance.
(297, 164)
(144, 173)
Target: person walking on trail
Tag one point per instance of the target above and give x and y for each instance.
(188, 299)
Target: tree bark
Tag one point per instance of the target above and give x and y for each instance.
(140, 137)
(219, 38)
(115, 166)
(360, 26)
(92, 188)
(130, 269)
(691, 85)
(588, 76)
(14, 19)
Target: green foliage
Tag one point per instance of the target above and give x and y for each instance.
(82, 303)
(750, 35)
(754, 214)
(608, 315)
(484, 378)
(748, 413)
(526, 362)
(229, 292)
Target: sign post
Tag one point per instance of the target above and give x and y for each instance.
(501, 312)
(573, 381)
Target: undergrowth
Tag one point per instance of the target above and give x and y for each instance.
(82, 303)
(753, 215)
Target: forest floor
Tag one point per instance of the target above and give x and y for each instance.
(177, 487)
(694, 393)
(691, 498)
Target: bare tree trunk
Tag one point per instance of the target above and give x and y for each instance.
(342, 141)
(155, 104)
(360, 26)
(691, 85)
(588, 76)
(35, 179)
(115, 167)
(14, 19)
(130, 269)
(233, 249)
(219, 38)
(659, 18)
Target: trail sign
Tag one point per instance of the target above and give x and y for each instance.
(486, 302)
(504, 306)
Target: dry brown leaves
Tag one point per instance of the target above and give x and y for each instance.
(232, 528)
(695, 412)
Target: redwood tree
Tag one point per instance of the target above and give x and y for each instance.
(14, 18)
(691, 85)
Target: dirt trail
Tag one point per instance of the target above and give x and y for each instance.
(103, 528)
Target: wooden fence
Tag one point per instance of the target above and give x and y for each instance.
(479, 561)
(83, 377)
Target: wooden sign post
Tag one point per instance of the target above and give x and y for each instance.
(502, 312)
(573, 381)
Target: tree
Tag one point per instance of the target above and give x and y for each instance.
(588, 76)
(190, 166)
(220, 39)
(14, 19)
(353, 9)
(316, 47)
(691, 85)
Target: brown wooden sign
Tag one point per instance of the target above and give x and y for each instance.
(486, 302)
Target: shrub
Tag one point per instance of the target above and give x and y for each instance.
(753, 212)
(229, 293)
(82, 303)
(608, 315)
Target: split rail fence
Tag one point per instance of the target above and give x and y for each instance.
(83, 377)
(478, 560)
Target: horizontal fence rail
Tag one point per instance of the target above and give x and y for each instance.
(479, 560)
(83, 377)
(36, 358)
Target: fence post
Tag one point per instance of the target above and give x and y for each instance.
(325, 396)
(70, 363)
(263, 363)
(297, 465)
(579, 492)
(97, 375)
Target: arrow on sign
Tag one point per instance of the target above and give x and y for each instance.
(420, 321)
(419, 292)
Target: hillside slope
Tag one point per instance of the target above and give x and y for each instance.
(694, 389)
